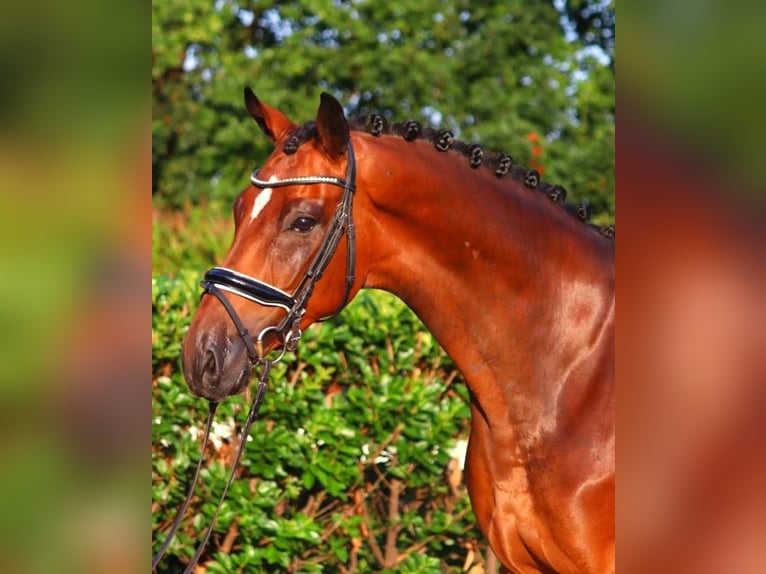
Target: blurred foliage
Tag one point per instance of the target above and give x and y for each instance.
(593, 22)
(349, 467)
(191, 238)
(696, 71)
(496, 72)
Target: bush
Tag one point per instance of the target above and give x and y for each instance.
(349, 467)
(190, 238)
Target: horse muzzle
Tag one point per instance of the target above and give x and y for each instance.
(215, 364)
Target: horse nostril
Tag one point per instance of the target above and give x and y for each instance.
(210, 367)
(211, 373)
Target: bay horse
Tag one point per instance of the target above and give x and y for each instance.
(513, 284)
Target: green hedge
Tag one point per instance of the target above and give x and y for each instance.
(348, 468)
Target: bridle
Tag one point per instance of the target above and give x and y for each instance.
(220, 279)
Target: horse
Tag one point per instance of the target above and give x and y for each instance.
(513, 283)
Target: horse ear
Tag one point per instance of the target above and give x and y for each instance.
(332, 127)
(272, 122)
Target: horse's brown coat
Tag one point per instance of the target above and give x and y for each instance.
(518, 292)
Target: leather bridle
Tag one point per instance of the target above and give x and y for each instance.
(220, 279)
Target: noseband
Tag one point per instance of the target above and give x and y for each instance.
(220, 279)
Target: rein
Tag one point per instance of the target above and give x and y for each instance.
(252, 415)
(220, 279)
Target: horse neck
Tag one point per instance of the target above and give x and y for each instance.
(506, 280)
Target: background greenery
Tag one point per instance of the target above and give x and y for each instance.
(494, 71)
(350, 467)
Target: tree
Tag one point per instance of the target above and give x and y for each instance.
(532, 79)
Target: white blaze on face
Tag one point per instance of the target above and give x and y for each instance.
(261, 200)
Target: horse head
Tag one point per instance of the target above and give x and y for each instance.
(285, 268)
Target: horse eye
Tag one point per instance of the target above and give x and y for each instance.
(303, 224)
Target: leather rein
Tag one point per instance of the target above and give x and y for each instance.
(220, 279)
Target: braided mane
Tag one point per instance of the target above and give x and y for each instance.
(502, 164)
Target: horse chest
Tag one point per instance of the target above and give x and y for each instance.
(516, 528)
